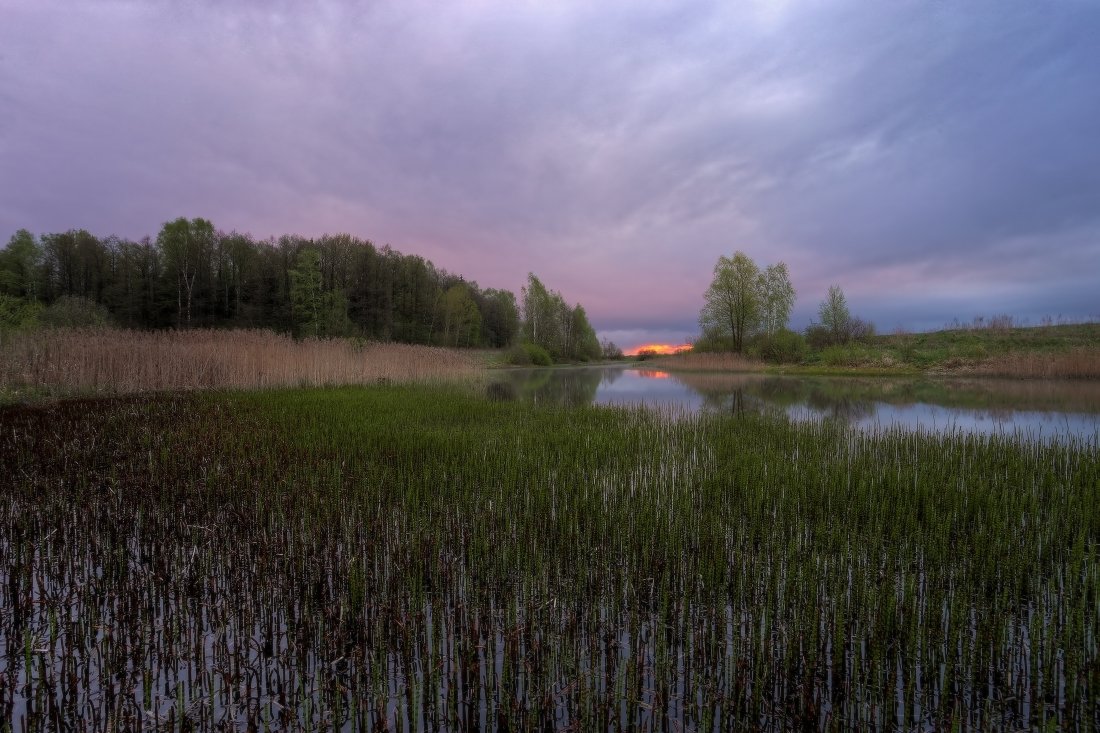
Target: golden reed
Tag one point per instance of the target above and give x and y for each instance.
(123, 361)
(1079, 363)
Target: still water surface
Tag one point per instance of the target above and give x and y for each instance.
(1040, 410)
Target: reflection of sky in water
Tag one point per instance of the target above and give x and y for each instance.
(634, 387)
(1027, 424)
(1032, 410)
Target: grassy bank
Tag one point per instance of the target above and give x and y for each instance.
(1044, 352)
(421, 556)
(114, 361)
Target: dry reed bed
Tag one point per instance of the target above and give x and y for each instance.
(122, 361)
(706, 362)
(1079, 363)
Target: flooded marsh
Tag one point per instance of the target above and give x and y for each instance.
(421, 558)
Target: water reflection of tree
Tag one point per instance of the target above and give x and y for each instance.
(573, 387)
(738, 393)
(842, 408)
(610, 375)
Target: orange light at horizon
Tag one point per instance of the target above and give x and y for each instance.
(662, 349)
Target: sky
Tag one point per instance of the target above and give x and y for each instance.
(936, 159)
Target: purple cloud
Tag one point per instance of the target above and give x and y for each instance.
(935, 160)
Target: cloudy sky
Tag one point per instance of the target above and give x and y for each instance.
(937, 159)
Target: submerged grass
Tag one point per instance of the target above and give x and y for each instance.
(418, 557)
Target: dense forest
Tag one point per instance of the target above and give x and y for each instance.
(192, 275)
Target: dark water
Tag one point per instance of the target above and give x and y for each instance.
(1039, 410)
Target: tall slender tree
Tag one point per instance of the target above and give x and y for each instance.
(776, 298)
(187, 246)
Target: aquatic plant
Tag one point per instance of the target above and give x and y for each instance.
(424, 558)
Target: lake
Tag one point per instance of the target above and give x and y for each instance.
(1034, 409)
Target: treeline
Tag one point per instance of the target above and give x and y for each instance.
(192, 275)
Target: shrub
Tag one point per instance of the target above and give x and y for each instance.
(860, 330)
(610, 351)
(17, 314)
(517, 356)
(784, 347)
(817, 336)
(712, 344)
(536, 354)
(70, 311)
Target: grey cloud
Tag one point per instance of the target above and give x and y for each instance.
(614, 148)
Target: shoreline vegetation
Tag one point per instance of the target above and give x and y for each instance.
(1070, 351)
(59, 362)
(71, 362)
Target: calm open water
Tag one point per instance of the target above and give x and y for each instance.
(1038, 410)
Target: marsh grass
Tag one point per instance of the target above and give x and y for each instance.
(423, 559)
(121, 361)
(1077, 363)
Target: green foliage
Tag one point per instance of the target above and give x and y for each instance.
(187, 246)
(782, 347)
(306, 295)
(535, 354)
(548, 321)
(818, 336)
(528, 354)
(731, 306)
(776, 299)
(19, 266)
(499, 317)
(460, 316)
(834, 315)
(17, 314)
(712, 343)
(75, 312)
(742, 301)
(192, 275)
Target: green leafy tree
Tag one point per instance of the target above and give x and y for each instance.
(585, 346)
(461, 318)
(241, 263)
(776, 299)
(188, 247)
(307, 303)
(499, 317)
(540, 323)
(19, 266)
(552, 325)
(834, 315)
(732, 307)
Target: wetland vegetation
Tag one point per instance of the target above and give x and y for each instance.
(418, 557)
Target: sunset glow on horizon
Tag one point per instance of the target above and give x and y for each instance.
(662, 349)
